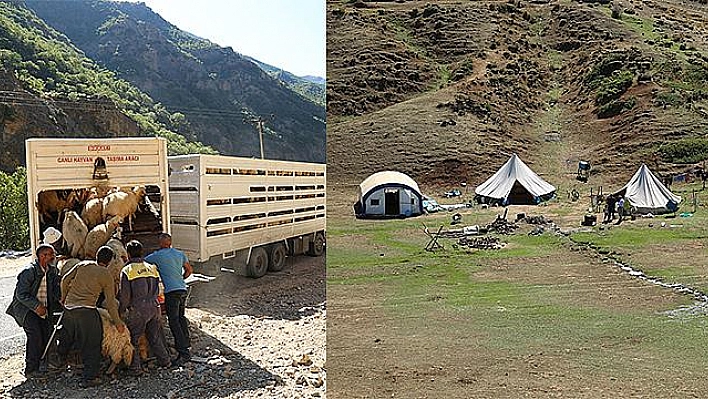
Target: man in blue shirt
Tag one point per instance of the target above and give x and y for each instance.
(174, 267)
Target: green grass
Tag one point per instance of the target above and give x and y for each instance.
(643, 26)
(492, 303)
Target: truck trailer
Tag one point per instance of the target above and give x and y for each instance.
(239, 214)
(246, 215)
(65, 173)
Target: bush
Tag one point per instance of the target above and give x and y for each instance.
(613, 86)
(14, 219)
(615, 107)
(685, 151)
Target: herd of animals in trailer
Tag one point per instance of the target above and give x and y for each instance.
(88, 218)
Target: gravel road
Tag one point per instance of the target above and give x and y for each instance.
(262, 338)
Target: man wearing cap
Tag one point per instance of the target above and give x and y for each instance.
(81, 288)
(174, 267)
(36, 298)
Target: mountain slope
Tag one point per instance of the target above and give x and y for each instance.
(453, 88)
(218, 90)
(311, 87)
(48, 88)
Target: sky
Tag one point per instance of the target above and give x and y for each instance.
(288, 34)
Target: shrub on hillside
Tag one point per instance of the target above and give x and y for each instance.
(14, 219)
(685, 151)
(613, 86)
(615, 107)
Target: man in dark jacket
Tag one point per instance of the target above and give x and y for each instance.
(137, 297)
(36, 297)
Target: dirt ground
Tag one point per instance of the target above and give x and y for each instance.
(250, 339)
(384, 341)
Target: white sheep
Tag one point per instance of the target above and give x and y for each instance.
(92, 213)
(115, 345)
(116, 265)
(123, 204)
(74, 231)
(98, 236)
(65, 265)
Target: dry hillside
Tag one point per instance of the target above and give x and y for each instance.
(446, 90)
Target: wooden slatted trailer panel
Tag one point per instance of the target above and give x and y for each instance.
(69, 164)
(244, 202)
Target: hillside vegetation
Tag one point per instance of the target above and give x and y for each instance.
(219, 91)
(453, 88)
(50, 89)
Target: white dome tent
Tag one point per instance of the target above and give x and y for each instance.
(388, 194)
(647, 194)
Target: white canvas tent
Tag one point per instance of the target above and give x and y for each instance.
(647, 194)
(514, 183)
(388, 194)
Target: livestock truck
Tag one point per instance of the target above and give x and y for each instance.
(239, 214)
(246, 215)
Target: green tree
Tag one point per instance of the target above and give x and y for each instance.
(14, 218)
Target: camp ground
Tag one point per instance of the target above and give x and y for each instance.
(522, 300)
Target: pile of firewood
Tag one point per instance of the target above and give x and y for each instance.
(538, 220)
(485, 242)
(502, 226)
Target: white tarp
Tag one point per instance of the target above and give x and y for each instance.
(386, 178)
(646, 193)
(499, 186)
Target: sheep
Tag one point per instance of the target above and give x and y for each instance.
(99, 235)
(115, 345)
(65, 265)
(74, 231)
(102, 191)
(123, 204)
(50, 202)
(92, 213)
(116, 265)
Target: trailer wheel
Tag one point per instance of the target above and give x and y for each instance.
(277, 257)
(258, 264)
(317, 246)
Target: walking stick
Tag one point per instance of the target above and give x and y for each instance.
(61, 316)
(51, 337)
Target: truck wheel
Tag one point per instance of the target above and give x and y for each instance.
(258, 264)
(277, 257)
(317, 246)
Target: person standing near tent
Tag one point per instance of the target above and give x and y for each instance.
(620, 209)
(609, 209)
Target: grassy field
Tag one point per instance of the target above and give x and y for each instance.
(546, 316)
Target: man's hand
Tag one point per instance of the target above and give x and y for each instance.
(41, 310)
(187, 270)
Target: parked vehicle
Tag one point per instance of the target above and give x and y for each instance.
(64, 174)
(246, 215)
